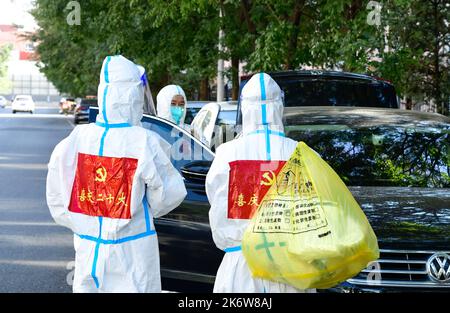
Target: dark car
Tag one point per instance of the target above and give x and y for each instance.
(331, 88)
(81, 113)
(395, 162)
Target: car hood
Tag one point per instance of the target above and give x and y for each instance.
(407, 217)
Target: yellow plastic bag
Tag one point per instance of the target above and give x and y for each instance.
(308, 231)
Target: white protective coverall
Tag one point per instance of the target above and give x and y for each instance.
(163, 103)
(106, 181)
(262, 142)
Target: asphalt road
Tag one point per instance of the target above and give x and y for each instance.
(36, 255)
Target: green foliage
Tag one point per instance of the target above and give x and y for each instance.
(5, 84)
(177, 40)
(4, 56)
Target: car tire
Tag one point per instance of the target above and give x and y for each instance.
(14, 111)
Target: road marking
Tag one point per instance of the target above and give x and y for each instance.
(14, 223)
(25, 166)
(56, 264)
(9, 115)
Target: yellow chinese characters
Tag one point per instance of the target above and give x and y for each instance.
(89, 197)
(241, 200)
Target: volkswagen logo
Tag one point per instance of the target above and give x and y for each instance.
(438, 267)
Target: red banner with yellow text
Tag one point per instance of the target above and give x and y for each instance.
(102, 186)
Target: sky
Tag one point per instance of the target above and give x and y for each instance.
(16, 11)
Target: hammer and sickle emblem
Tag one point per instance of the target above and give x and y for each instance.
(270, 178)
(101, 174)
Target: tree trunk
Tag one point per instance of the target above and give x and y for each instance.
(246, 7)
(204, 90)
(235, 77)
(293, 39)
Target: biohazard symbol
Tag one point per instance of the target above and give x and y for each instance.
(270, 178)
(101, 174)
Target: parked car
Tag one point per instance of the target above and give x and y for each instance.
(331, 88)
(3, 102)
(23, 103)
(81, 113)
(395, 162)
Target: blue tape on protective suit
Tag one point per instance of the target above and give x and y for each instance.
(271, 132)
(105, 118)
(117, 125)
(106, 125)
(233, 249)
(264, 115)
(94, 263)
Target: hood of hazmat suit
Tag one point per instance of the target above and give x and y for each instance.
(107, 181)
(163, 103)
(239, 177)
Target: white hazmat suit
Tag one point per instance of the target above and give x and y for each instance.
(106, 181)
(163, 103)
(233, 195)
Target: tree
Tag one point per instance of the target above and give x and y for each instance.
(418, 54)
(4, 56)
(177, 41)
(170, 40)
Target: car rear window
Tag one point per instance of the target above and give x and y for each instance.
(337, 92)
(89, 102)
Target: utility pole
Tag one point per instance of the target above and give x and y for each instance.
(220, 63)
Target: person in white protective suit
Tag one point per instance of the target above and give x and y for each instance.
(107, 181)
(171, 104)
(262, 144)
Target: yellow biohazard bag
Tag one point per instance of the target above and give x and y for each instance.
(308, 231)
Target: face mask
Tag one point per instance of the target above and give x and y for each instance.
(177, 113)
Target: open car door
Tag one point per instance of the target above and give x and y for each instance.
(202, 126)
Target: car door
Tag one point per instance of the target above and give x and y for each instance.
(187, 250)
(203, 125)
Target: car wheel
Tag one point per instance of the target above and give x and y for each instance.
(14, 111)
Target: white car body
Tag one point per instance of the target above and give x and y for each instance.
(3, 102)
(23, 103)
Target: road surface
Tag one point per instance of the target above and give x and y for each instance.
(36, 255)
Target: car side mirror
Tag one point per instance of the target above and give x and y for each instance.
(196, 171)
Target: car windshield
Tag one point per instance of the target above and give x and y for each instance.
(226, 117)
(327, 92)
(190, 114)
(382, 155)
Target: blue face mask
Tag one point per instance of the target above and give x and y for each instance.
(177, 113)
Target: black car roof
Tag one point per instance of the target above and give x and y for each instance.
(321, 74)
(362, 116)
